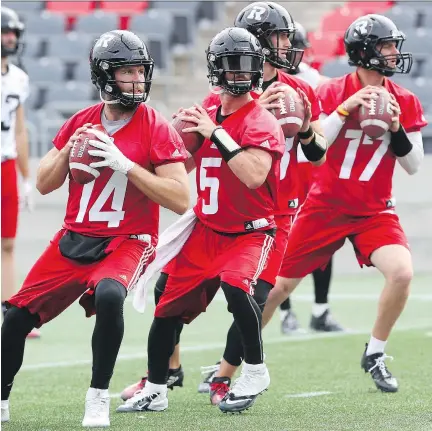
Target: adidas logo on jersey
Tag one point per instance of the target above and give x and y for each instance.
(213, 146)
(123, 277)
(265, 144)
(176, 153)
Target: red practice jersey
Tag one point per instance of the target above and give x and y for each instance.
(111, 205)
(288, 198)
(224, 203)
(357, 177)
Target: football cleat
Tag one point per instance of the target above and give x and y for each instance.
(145, 400)
(5, 411)
(325, 323)
(209, 372)
(253, 380)
(219, 387)
(374, 365)
(175, 378)
(97, 405)
(290, 323)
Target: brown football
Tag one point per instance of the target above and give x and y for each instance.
(192, 140)
(80, 159)
(290, 113)
(377, 119)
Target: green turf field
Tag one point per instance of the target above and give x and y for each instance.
(49, 392)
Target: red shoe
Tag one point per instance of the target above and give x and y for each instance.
(34, 333)
(175, 378)
(130, 390)
(218, 389)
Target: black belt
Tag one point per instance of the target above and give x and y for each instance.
(270, 232)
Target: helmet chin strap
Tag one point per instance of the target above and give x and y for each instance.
(214, 91)
(108, 102)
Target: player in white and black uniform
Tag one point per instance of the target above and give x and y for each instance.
(14, 147)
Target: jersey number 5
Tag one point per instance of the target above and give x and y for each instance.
(117, 186)
(355, 138)
(210, 182)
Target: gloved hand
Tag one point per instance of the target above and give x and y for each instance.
(114, 158)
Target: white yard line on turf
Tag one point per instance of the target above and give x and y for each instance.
(308, 394)
(214, 346)
(334, 297)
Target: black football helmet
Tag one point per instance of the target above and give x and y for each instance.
(10, 22)
(300, 40)
(363, 36)
(116, 49)
(263, 19)
(237, 51)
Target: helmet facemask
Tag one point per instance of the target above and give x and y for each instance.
(108, 84)
(277, 56)
(244, 71)
(371, 57)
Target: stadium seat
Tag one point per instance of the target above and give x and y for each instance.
(69, 92)
(123, 7)
(82, 72)
(44, 24)
(72, 46)
(367, 7)
(186, 15)
(404, 17)
(45, 71)
(338, 20)
(337, 67)
(210, 10)
(70, 7)
(324, 47)
(24, 6)
(32, 47)
(97, 23)
(159, 22)
(419, 41)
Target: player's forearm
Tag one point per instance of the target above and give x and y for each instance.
(274, 299)
(332, 125)
(52, 172)
(167, 192)
(23, 154)
(249, 169)
(412, 160)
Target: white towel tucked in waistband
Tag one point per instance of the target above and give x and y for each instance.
(170, 243)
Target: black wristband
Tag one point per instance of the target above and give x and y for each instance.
(400, 143)
(225, 144)
(314, 151)
(306, 135)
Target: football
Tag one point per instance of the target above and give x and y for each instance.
(80, 159)
(290, 113)
(376, 120)
(193, 140)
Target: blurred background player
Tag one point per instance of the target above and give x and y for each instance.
(279, 54)
(321, 319)
(352, 195)
(235, 227)
(99, 234)
(14, 150)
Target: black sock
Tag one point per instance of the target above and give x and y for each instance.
(322, 280)
(16, 326)
(108, 331)
(160, 347)
(286, 305)
(4, 309)
(247, 317)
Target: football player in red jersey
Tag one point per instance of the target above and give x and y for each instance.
(321, 320)
(14, 150)
(237, 170)
(351, 196)
(106, 242)
(280, 28)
